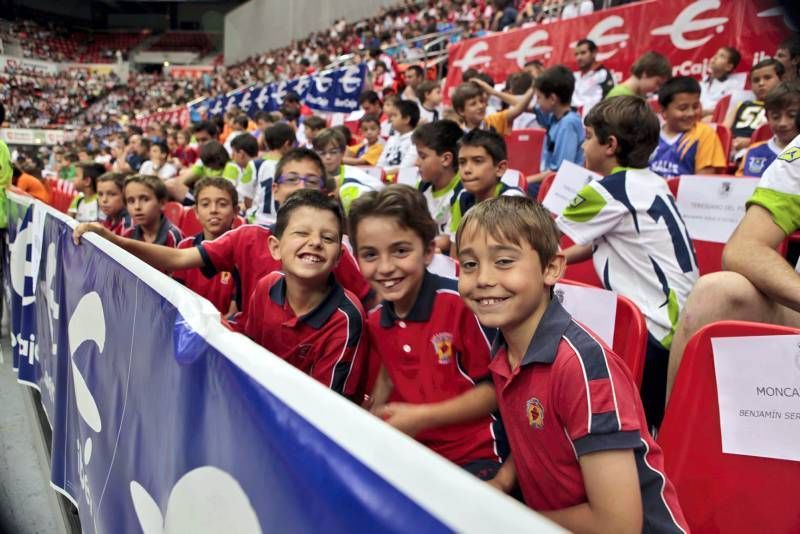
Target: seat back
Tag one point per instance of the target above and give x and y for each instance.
(722, 492)
(515, 178)
(547, 182)
(762, 133)
(62, 193)
(525, 149)
(725, 137)
(721, 109)
(630, 332)
(174, 212)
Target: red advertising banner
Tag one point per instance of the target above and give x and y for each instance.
(179, 115)
(687, 32)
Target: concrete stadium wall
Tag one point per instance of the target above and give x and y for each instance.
(261, 25)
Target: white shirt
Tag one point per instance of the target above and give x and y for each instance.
(263, 209)
(231, 136)
(398, 152)
(589, 89)
(167, 170)
(570, 11)
(713, 90)
(427, 115)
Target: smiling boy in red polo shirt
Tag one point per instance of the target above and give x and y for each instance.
(582, 454)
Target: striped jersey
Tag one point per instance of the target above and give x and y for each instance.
(688, 152)
(779, 189)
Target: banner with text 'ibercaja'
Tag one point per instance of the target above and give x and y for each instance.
(164, 421)
(334, 91)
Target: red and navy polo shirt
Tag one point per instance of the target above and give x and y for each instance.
(570, 396)
(168, 235)
(329, 343)
(119, 224)
(245, 250)
(219, 290)
(437, 352)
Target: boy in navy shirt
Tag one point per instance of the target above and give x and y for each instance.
(581, 452)
(145, 197)
(433, 353)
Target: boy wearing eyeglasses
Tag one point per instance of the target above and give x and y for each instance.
(565, 132)
(348, 181)
(244, 249)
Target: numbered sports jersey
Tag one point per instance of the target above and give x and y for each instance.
(466, 200)
(263, 209)
(779, 189)
(688, 153)
(440, 203)
(642, 249)
(749, 116)
(758, 157)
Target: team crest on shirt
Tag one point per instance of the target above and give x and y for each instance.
(756, 165)
(790, 154)
(225, 277)
(577, 201)
(443, 345)
(535, 413)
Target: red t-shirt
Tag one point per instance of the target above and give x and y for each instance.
(329, 343)
(245, 250)
(168, 234)
(571, 396)
(437, 352)
(220, 290)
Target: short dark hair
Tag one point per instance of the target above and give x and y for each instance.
(785, 94)
(518, 83)
(263, 116)
(674, 86)
(315, 122)
(780, 70)
(491, 141)
(369, 117)
(792, 45)
(417, 69)
(440, 136)
(278, 135)
(241, 121)
(734, 57)
(162, 146)
(329, 136)
(220, 183)
(92, 170)
(558, 81)
(346, 133)
(589, 43)
(402, 203)
(464, 92)
(631, 121)
(410, 110)
(206, 126)
(513, 219)
(425, 87)
(300, 154)
(117, 178)
(154, 183)
(369, 96)
(311, 198)
(246, 143)
(214, 155)
(651, 64)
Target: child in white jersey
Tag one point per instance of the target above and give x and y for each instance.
(642, 249)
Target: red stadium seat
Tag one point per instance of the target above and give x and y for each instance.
(174, 212)
(725, 137)
(654, 105)
(525, 149)
(722, 492)
(630, 334)
(762, 133)
(545, 187)
(583, 271)
(721, 109)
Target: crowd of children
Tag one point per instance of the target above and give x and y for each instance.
(334, 272)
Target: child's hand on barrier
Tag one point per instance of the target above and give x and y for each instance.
(97, 228)
(410, 419)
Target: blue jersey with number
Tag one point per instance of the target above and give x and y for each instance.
(642, 249)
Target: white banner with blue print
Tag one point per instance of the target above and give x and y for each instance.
(165, 421)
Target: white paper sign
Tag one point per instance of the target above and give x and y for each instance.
(758, 382)
(713, 206)
(408, 176)
(592, 306)
(568, 181)
(511, 177)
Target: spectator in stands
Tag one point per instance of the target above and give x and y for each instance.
(66, 165)
(185, 155)
(313, 124)
(262, 196)
(534, 67)
(203, 132)
(370, 103)
(440, 181)
(788, 53)
(565, 132)
(214, 161)
(592, 80)
(782, 106)
(443, 403)
(111, 199)
(505, 15)
(346, 181)
(413, 76)
(758, 284)
(648, 74)
(25, 176)
(517, 84)
(244, 153)
(686, 145)
(429, 96)
(748, 116)
(238, 125)
(136, 152)
(399, 151)
(84, 207)
(469, 101)
(645, 257)
(144, 198)
(369, 151)
(592, 464)
(158, 164)
(719, 82)
(216, 205)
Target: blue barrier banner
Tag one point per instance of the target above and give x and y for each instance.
(334, 91)
(164, 421)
